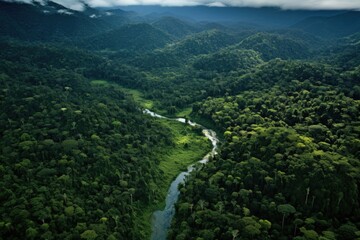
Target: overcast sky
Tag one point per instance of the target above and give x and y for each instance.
(285, 4)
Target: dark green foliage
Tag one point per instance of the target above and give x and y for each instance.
(201, 43)
(311, 41)
(132, 37)
(275, 46)
(45, 23)
(290, 157)
(174, 54)
(281, 72)
(331, 27)
(47, 56)
(77, 161)
(345, 54)
(156, 59)
(174, 27)
(228, 60)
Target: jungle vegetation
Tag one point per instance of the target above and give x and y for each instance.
(80, 160)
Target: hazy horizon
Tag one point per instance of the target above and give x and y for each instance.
(283, 4)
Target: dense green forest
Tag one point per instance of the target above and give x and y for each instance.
(77, 160)
(80, 160)
(288, 168)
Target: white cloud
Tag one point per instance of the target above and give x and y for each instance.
(285, 4)
(295, 4)
(64, 11)
(216, 4)
(73, 4)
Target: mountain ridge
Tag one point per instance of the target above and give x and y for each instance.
(335, 26)
(263, 16)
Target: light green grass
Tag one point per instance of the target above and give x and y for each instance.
(101, 83)
(184, 112)
(137, 95)
(189, 148)
(139, 98)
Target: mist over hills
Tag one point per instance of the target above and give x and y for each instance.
(160, 36)
(47, 22)
(130, 37)
(267, 16)
(332, 26)
(174, 26)
(51, 21)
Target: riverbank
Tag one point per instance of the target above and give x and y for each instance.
(189, 147)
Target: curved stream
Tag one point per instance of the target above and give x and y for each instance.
(161, 220)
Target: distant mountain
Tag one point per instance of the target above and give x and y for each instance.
(228, 60)
(345, 53)
(118, 17)
(201, 43)
(331, 27)
(155, 60)
(310, 40)
(174, 26)
(347, 57)
(353, 39)
(244, 26)
(47, 56)
(275, 46)
(211, 26)
(91, 12)
(131, 37)
(46, 21)
(266, 16)
(182, 50)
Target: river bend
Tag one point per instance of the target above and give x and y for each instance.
(161, 220)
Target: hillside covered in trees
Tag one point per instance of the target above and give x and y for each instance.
(80, 160)
(77, 160)
(288, 168)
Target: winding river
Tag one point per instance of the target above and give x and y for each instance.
(161, 220)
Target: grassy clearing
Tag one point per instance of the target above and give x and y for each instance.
(100, 83)
(137, 95)
(184, 112)
(189, 147)
(139, 98)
